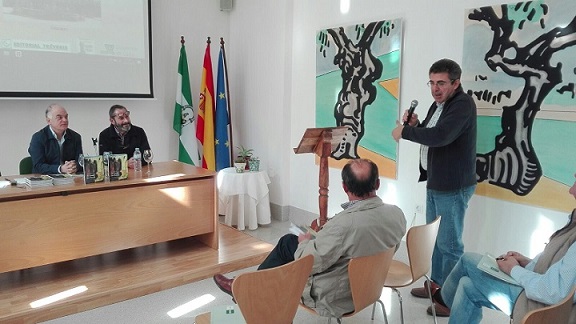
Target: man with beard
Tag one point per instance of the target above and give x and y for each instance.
(55, 148)
(122, 137)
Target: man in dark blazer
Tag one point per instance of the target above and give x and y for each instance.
(55, 148)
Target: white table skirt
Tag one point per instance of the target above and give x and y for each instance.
(243, 198)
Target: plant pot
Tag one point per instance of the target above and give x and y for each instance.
(254, 165)
(240, 166)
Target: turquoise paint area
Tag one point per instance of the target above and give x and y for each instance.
(553, 141)
(380, 117)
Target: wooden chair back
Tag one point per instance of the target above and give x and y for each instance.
(367, 276)
(420, 241)
(272, 295)
(557, 313)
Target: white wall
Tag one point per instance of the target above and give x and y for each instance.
(260, 86)
(270, 47)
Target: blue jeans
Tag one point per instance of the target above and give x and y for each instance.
(451, 205)
(468, 288)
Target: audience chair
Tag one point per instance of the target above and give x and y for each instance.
(557, 313)
(26, 165)
(270, 295)
(420, 241)
(367, 275)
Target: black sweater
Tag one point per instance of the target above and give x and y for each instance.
(452, 144)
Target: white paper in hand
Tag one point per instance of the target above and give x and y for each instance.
(489, 265)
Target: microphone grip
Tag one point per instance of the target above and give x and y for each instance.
(410, 112)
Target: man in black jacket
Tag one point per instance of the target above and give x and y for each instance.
(448, 164)
(122, 137)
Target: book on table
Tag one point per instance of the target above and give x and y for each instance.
(118, 166)
(93, 169)
(62, 179)
(489, 265)
(39, 181)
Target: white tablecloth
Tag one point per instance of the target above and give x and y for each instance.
(243, 198)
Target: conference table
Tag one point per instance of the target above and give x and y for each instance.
(243, 198)
(45, 225)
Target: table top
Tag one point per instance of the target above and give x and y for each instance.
(252, 183)
(160, 172)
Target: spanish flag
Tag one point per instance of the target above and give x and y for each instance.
(205, 126)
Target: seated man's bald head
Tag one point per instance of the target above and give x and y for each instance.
(360, 177)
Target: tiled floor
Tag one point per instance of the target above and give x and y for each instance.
(153, 308)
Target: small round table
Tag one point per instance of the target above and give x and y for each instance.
(243, 198)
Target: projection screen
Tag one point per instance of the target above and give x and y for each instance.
(75, 48)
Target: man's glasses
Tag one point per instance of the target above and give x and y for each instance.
(123, 116)
(440, 84)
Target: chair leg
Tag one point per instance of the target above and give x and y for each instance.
(383, 311)
(431, 300)
(401, 305)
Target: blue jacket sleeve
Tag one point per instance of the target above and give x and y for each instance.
(42, 159)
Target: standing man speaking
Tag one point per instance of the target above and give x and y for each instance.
(448, 164)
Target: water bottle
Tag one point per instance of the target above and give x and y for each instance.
(105, 162)
(137, 160)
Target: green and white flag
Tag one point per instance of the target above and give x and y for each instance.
(184, 115)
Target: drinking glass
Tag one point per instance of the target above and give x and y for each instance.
(147, 155)
(81, 160)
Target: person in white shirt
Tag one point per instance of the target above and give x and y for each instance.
(544, 280)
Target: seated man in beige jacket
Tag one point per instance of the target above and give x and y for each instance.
(366, 226)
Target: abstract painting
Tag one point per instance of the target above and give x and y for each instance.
(357, 78)
(518, 65)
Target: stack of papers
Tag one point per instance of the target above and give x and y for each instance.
(489, 265)
(39, 181)
(301, 229)
(62, 179)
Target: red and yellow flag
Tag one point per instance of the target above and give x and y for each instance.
(205, 125)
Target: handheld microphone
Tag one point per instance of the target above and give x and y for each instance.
(413, 105)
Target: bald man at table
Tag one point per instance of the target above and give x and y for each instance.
(55, 148)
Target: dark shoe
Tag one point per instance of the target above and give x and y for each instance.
(224, 283)
(441, 311)
(423, 291)
(439, 306)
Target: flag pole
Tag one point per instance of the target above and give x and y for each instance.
(227, 99)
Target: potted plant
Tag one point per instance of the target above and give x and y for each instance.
(239, 164)
(244, 155)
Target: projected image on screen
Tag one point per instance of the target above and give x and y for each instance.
(75, 48)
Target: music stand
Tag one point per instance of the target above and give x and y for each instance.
(321, 141)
